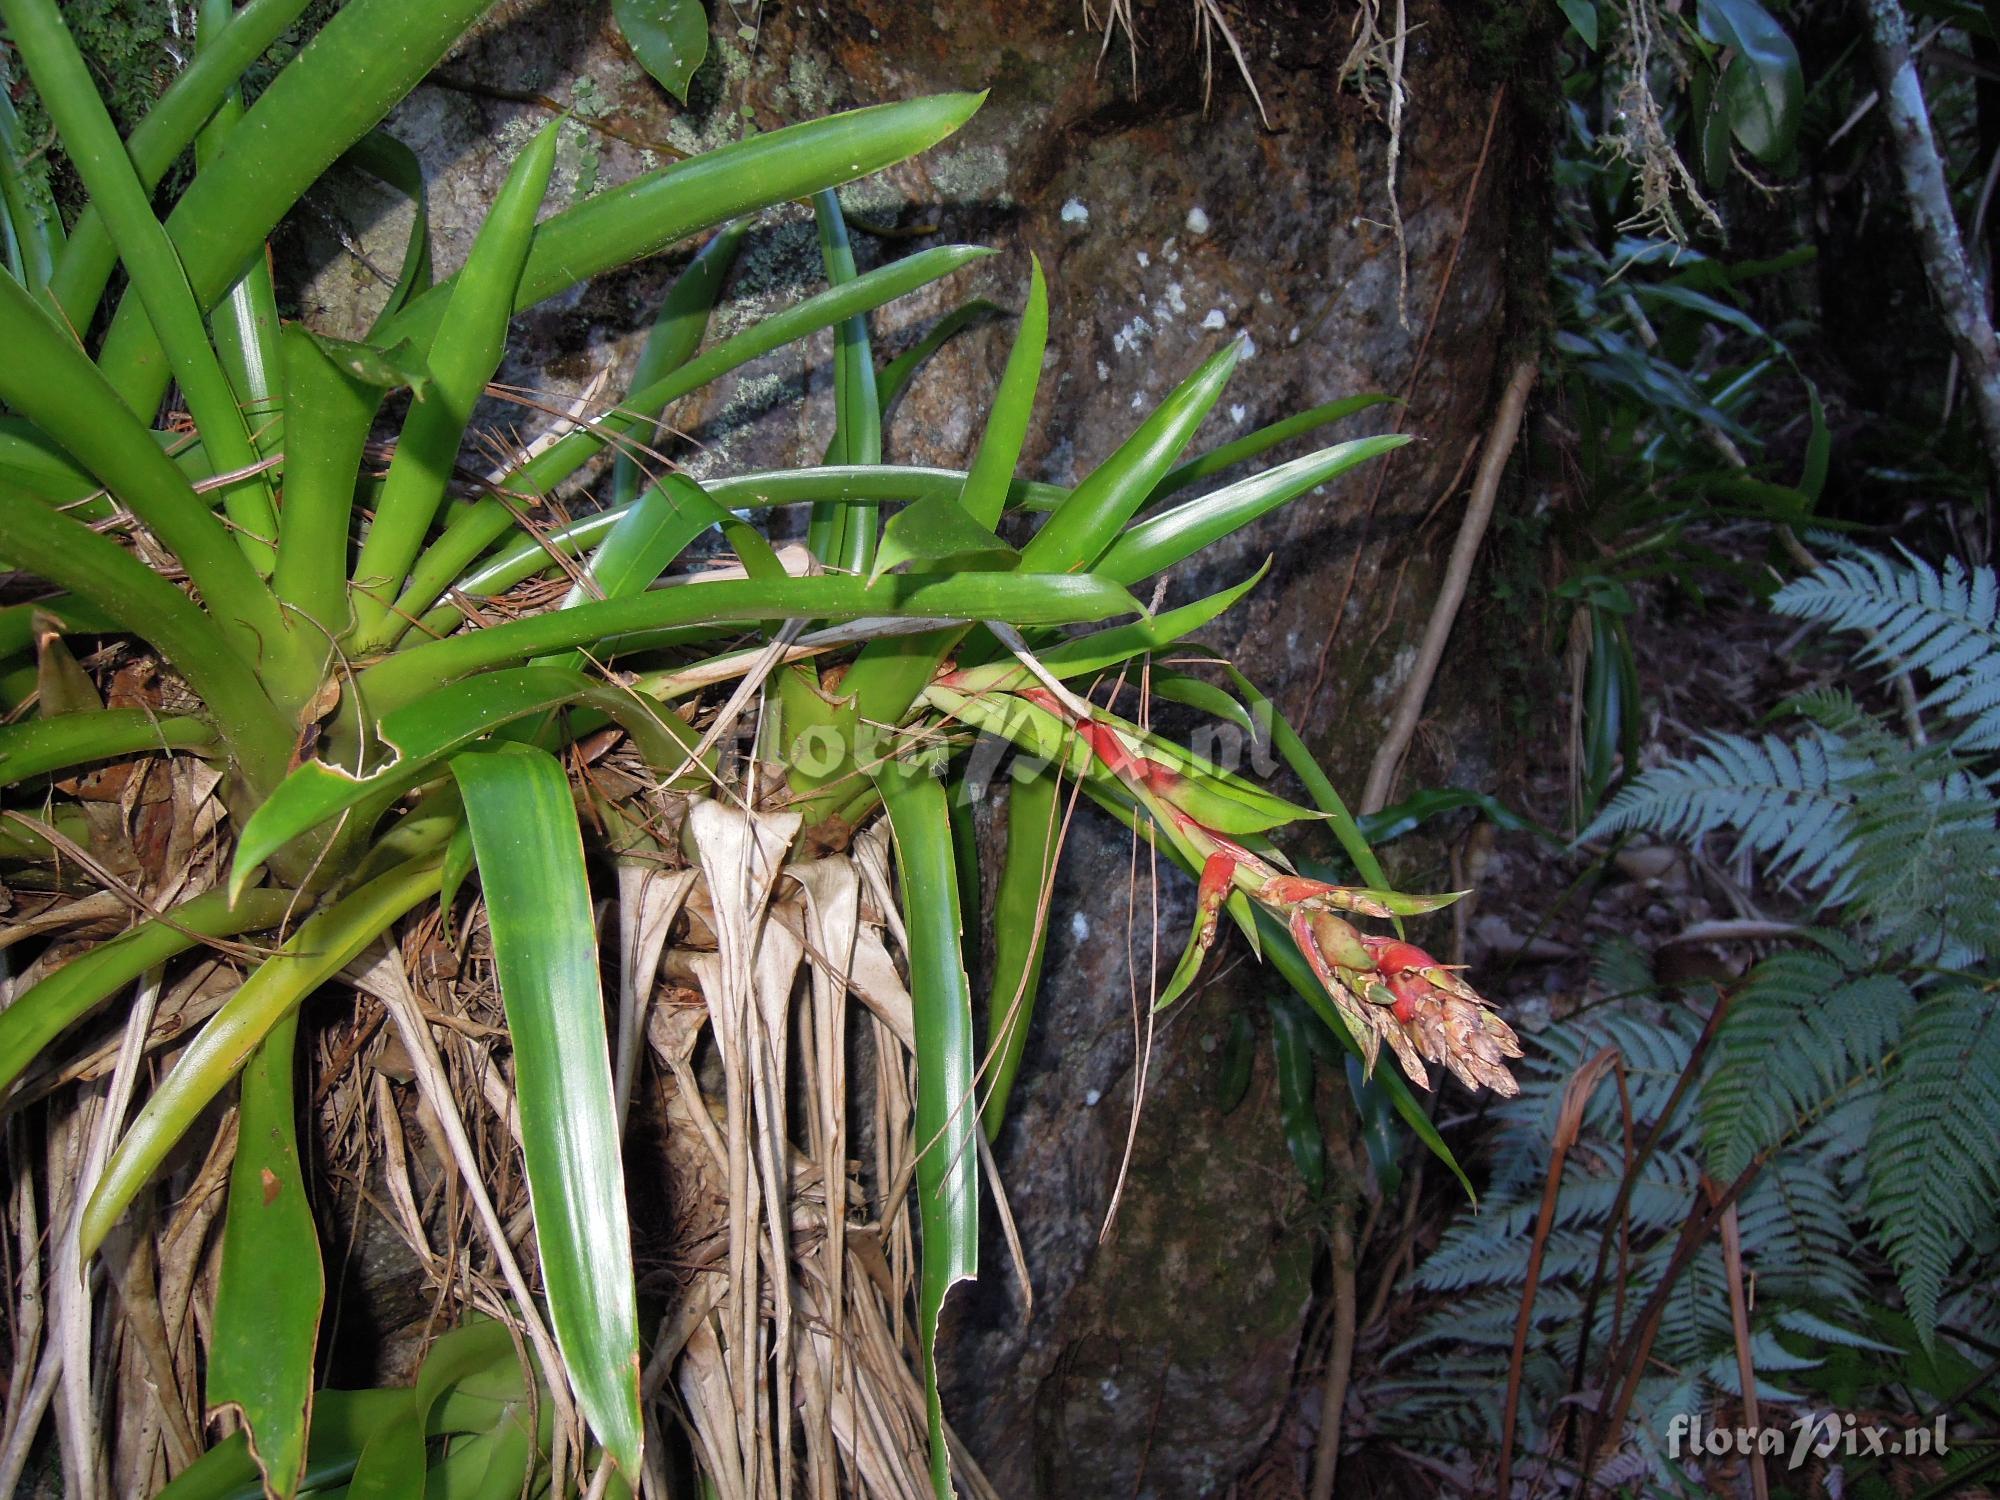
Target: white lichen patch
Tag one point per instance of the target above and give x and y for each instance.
(1391, 681)
(1075, 211)
(1130, 336)
(971, 174)
(753, 396)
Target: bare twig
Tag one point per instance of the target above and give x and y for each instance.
(1451, 593)
(1739, 1322)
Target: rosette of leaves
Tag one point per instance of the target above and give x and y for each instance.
(292, 668)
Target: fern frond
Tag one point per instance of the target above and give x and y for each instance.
(1944, 625)
(1800, 1035)
(1934, 1156)
(1798, 1234)
(1619, 968)
(1925, 869)
(1809, 1325)
(1787, 801)
(1694, 1323)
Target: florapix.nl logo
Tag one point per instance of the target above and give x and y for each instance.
(1821, 1435)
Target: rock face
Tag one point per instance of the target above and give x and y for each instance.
(1156, 1362)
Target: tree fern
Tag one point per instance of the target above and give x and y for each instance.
(1802, 1032)
(1798, 1236)
(1861, 1068)
(1906, 834)
(1925, 865)
(1787, 801)
(1934, 1157)
(1797, 1229)
(1945, 626)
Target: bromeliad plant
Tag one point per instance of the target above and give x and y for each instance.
(323, 691)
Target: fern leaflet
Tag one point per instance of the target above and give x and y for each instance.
(1787, 801)
(1801, 1034)
(1934, 1157)
(1944, 625)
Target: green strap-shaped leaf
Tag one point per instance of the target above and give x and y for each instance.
(1031, 599)
(70, 555)
(32, 225)
(844, 537)
(330, 413)
(360, 64)
(343, 1422)
(1081, 527)
(47, 378)
(99, 156)
(889, 674)
(44, 1011)
(476, 528)
(35, 747)
(894, 377)
(19, 626)
(757, 490)
(463, 358)
(419, 735)
(1205, 697)
(245, 322)
(675, 336)
(1252, 444)
(479, 1356)
(992, 471)
(655, 529)
(664, 207)
(947, 1114)
(530, 856)
(1159, 541)
(1020, 930)
(395, 166)
(385, 368)
(267, 1301)
(1085, 655)
(321, 948)
(157, 142)
(936, 534)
